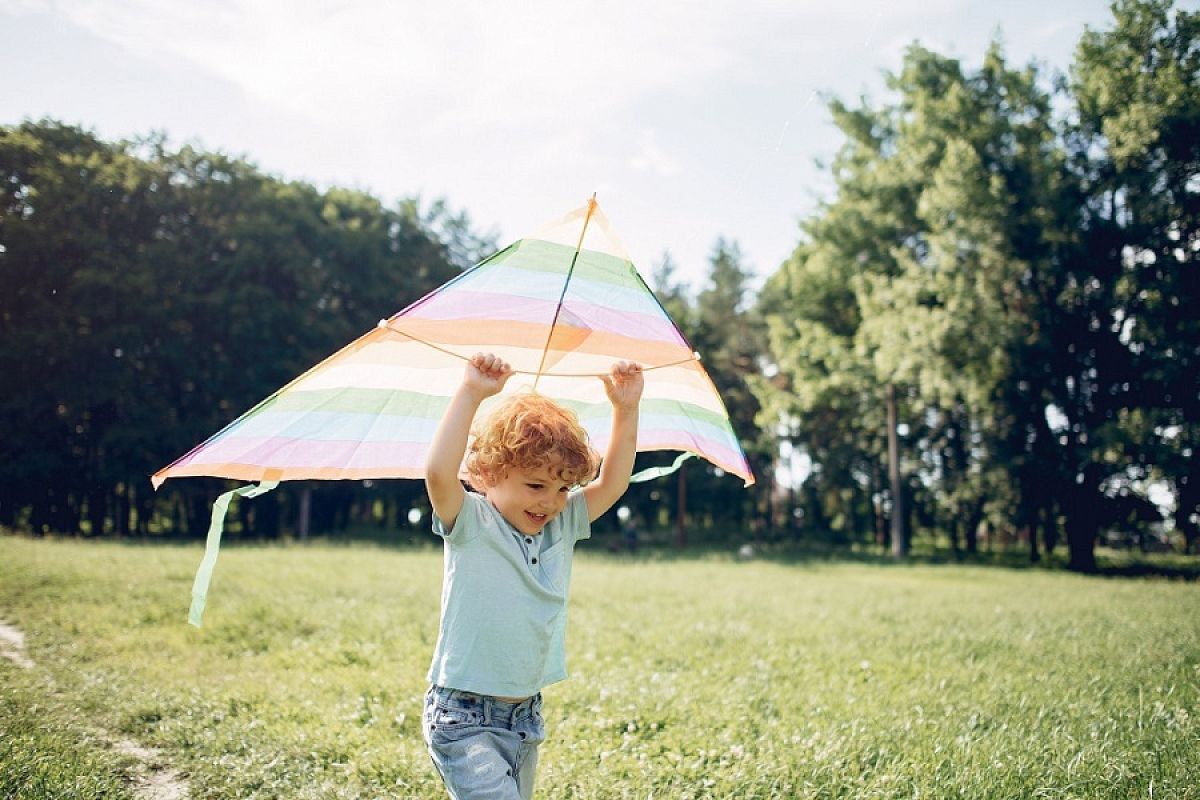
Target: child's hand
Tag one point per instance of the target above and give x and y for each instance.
(624, 386)
(486, 374)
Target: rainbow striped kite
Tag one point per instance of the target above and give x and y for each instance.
(560, 306)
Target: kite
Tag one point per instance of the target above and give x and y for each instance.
(560, 306)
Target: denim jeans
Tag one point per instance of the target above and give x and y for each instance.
(483, 747)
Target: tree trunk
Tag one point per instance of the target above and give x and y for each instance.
(899, 541)
(8, 507)
(973, 522)
(772, 510)
(1082, 527)
(1187, 512)
(143, 502)
(245, 515)
(267, 516)
(199, 511)
(121, 510)
(1049, 525)
(302, 523)
(681, 516)
(881, 524)
(97, 510)
(1081, 542)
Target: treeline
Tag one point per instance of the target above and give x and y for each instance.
(991, 327)
(1007, 283)
(151, 295)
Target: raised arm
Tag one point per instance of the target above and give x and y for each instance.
(485, 376)
(624, 389)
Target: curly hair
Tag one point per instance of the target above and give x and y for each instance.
(531, 432)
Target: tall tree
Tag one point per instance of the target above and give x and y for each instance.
(906, 302)
(730, 338)
(1130, 392)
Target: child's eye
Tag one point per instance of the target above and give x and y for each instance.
(564, 489)
(534, 486)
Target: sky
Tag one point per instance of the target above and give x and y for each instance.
(689, 120)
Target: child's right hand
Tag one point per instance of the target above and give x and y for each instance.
(486, 374)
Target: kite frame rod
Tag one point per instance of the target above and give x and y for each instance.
(566, 282)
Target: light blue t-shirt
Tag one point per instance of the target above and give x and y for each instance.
(504, 600)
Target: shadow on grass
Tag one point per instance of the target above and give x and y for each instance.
(609, 545)
(1153, 569)
(1110, 563)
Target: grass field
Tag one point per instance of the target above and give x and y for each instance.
(697, 677)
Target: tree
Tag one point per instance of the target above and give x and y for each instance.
(729, 337)
(78, 223)
(154, 294)
(1129, 390)
(658, 500)
(907, 298)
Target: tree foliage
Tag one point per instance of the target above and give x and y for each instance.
(1008, 268)
(154, 294)
(1019, 278)
(722, 325)
(1132, 384)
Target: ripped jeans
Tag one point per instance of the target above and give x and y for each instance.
(483, 747)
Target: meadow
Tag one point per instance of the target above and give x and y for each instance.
(691, 677)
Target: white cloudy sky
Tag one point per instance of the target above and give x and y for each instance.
(691, 120)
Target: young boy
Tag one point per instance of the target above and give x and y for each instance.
(508, 566)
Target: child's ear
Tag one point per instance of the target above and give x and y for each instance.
(488, 479)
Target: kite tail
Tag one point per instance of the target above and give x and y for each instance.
(213, 545)
(657, 472)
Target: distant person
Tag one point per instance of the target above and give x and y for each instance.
(508, 551)
(629, 533)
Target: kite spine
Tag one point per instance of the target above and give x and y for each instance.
(566, 282)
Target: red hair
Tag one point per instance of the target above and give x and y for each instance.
(530, 432)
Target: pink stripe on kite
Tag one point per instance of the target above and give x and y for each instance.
(730, 460)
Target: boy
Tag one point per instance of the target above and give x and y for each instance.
(507, 568)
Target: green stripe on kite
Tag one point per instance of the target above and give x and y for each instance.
(390, 402)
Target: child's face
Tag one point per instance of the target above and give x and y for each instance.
(529, 499)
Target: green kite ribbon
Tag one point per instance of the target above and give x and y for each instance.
(657, 472)
(213, 546)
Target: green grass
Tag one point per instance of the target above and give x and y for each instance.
(690, 677)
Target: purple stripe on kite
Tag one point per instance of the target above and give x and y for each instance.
(489, 306)
(716, 451)
(287, 453)
(284, 453)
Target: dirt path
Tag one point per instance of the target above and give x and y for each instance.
(153, 779)
(12, 646)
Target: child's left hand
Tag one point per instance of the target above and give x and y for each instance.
(624, 385)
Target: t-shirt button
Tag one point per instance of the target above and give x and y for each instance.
(535, 561)
(528, 540)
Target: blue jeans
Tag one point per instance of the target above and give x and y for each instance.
(483, 747)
